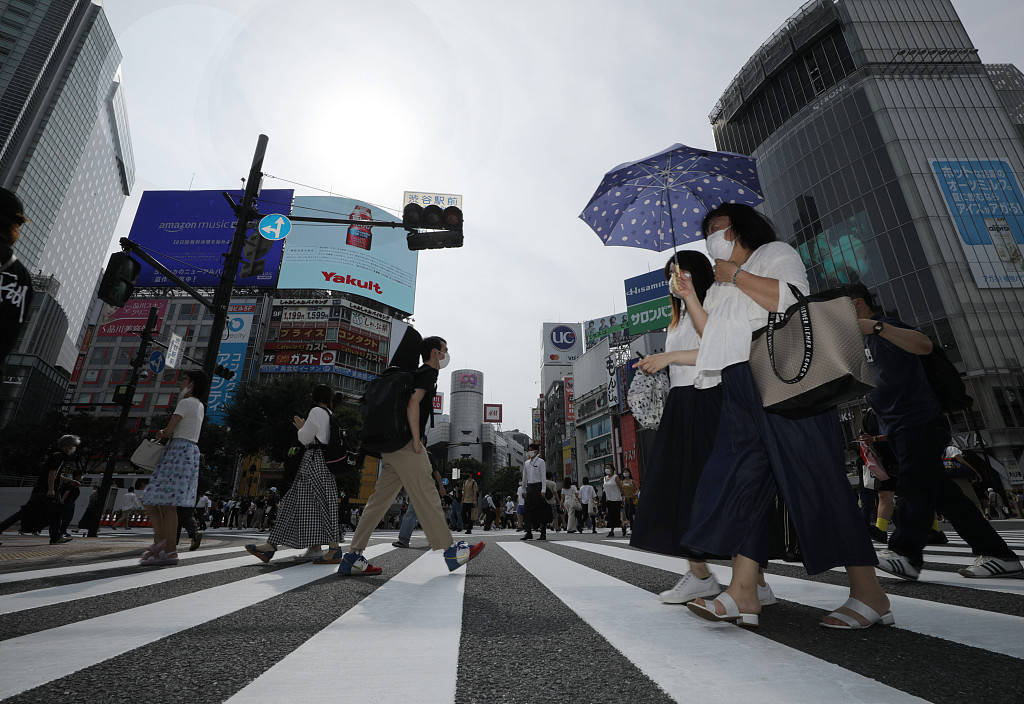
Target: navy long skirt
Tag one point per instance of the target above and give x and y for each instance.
(681, 447)
(758, 455)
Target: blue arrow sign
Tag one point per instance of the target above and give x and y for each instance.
(275, 227)
(156, 361)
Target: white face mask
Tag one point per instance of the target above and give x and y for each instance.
(718, 246)
(608, 472)
(531, 454)
(443, 362)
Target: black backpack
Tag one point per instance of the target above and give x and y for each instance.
(383, 410)
(336, 451)
(945, 381)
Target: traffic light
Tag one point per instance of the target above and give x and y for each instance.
(432, 217)
(255, 249)
(118, 282)
(433, 240)
(223, 372)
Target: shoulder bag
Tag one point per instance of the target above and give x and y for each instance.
(646, 398)
(148, 454)
(812, 357)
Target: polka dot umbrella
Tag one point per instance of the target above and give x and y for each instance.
(659, 202)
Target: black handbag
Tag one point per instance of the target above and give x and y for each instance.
(811, 357)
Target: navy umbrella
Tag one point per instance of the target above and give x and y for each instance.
(659, 202)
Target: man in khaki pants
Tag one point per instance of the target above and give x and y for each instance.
(410, 467)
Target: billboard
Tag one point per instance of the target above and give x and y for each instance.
(467, 380)
(189, 231)
(570, 400)
(984, 200)
(231, 355)
(116, 322)
(351, 258)
(562, 342)
(614, 327)
(492, 413)
(647, 302)
(438, 403)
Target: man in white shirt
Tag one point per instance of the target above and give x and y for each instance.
(587, 495)
(202, 507)
(536, 513)
(510, 513)
(127, 503)
(520, 506)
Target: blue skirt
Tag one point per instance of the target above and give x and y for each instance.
(175, 480)
(676, 459)
(758, 455)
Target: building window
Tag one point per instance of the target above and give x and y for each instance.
(170, 378)
(124, 356)
(100, 355)
(163, 400)
(92, 376)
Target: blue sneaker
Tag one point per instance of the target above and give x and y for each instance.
(355, 565)
(460, 553)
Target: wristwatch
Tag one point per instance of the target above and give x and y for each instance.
(878, 328)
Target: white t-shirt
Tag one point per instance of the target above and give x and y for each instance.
(566, 493)
(679, 339)
(611, 489)
(316, 427)
(510, 507)
(733, 315)
(521, 495)
(191, 411)
(587, 493)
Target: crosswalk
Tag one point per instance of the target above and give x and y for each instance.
(575, 618)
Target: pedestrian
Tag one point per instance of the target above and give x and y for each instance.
(995, 504)
(536, 512)
(410, 520)
(308, 513)
(910, 416)
(878, 444)
(126, 505)
(456, 509)
(187, 520)
(685, 435)
(758, 455)
(470, 494)
(962, 472)
(70, 490)
(554, 499)
(410, 468)
(613, 500)
(490, 511)
(588, 496)
(520, 508)
(175, 480)
(43, 507)
(571, 503)
(203, 510)
(15, 281)
(629, 499)
(508, 513)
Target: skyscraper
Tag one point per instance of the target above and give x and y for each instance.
(64, 143)
(890, 155)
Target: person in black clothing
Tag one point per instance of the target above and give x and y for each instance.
(15, 282)
(43, 507)
(910, 416)
(70, 490)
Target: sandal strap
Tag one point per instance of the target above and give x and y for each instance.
(859, 607)
(846, 618)
(731, 609)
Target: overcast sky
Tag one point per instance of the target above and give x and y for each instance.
(520, 107)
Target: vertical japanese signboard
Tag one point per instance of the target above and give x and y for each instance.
(570, 401)
(984, 200)
(231, 356)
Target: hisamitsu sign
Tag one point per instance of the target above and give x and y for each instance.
(648, 306)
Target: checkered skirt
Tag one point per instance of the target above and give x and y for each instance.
(176, 477)
(308, 514)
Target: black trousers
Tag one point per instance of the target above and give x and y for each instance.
(38, 512)
(923, 488)
(467, 516)
(186, 520)
(536, 511)
(489, 517)
(614, 514)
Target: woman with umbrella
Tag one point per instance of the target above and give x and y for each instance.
(757, 454)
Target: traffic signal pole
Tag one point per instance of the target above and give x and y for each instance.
(126, 406)
(245, 212)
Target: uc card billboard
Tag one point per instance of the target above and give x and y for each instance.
(190, 231)
(358, 259)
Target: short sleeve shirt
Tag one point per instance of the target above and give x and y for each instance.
(425, 378)
(903, 398)
(191, 411)
(53, 463)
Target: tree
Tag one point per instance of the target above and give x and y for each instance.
(260, 416)
(505, 483)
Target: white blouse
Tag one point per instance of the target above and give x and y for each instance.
(316, 427)
(733, 315)
(191, 411)
(679, 339)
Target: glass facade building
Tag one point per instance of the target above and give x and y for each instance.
(65, 146)
(889, 155)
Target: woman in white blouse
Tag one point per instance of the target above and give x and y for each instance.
(759, 455)
(308, 514)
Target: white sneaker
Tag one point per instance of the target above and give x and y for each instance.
(992, 567)
(765, 595)
(898, 565)
(689, 587)
(312, 553)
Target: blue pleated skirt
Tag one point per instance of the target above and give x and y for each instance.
(759, 455)
(675, 461)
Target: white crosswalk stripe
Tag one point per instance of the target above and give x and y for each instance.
(404, 637)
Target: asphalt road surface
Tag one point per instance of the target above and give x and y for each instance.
(574, 619)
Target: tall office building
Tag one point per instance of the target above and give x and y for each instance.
(64, 144)
(890, 155)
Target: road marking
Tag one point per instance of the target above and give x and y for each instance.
(407, 634)
(988, 630)
(692, 659)
(37, 658)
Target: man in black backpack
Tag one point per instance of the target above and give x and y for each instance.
(410, 467)
(910, 416)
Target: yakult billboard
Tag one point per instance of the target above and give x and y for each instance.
(562, 342)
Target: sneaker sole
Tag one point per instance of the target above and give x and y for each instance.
(703, 595)
(904, 577)
(368, 573)
(1017, 573)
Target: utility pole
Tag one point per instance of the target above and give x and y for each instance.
(245, 212)
(127, 397)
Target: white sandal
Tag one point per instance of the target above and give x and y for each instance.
(732, 612)
(858, 607)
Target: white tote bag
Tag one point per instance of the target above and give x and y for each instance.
(147, 455)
